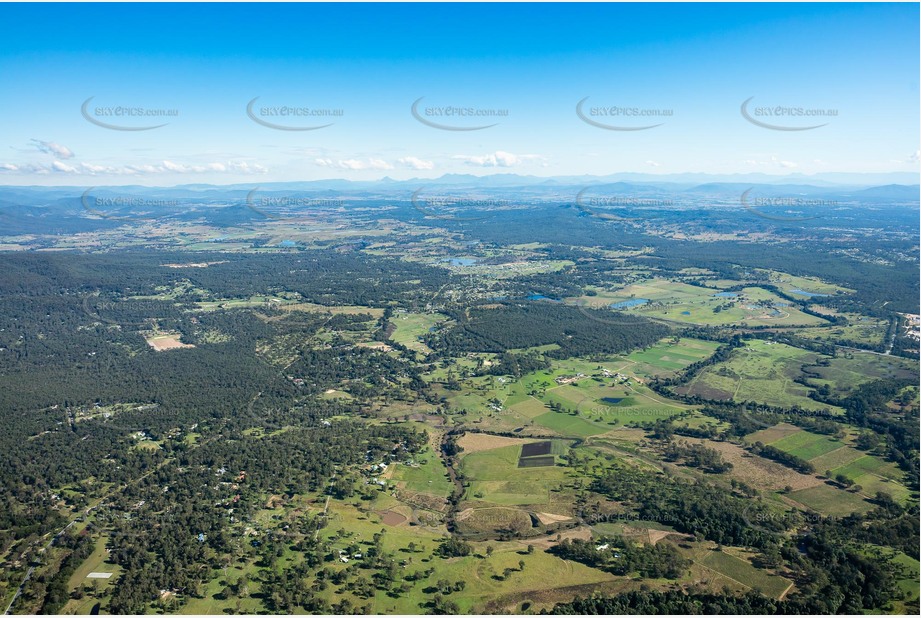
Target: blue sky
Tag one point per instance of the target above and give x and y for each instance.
(687, 68)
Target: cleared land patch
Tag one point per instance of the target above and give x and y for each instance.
(743, 572)
(761, 371)
(161, 343)
(830, 501)
(476, 442)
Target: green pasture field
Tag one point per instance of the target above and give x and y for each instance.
(673, 356)
(848, 371)
(495, 477)
(743, 572)
(830, 501)
(837, 459)
(761, 371)
(692, 304)
(411, 327)
(806, 445)
(428, 476)
(567, 425)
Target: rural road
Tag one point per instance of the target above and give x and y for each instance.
(25, 579)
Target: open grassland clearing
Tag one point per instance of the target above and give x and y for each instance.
(530, 408)
(426, 475)
(570, 368)
(676, 301)
(830, 501)
(628, 405)
(411, 327)
(494, 476)
(755, 470)
(99, 588)
(909, 573)
(491, 520)
(568, 425)
(475, 442)
(788, 283)
(806, 445)
(868, 472)
(859, 329)
(670, 355)
(773, 434)
(592, 403)
(762, 372)
(844, 373)
(836, 459)
(163, 342)
(742, 571)
(482, 573)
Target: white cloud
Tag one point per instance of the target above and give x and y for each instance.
(355, 164)
(500, 158)
(380, 164)
(165, 167)
(913, 157)
(52, 148)
(653, 163)
(63, 167)
(416, 163)
(784, 164)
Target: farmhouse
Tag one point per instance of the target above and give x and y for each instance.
(569, 379)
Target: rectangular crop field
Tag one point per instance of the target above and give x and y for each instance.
(535, 448)
(543, 461)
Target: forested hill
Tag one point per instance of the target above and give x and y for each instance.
(575, 330)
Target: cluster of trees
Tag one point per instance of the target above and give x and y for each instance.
(56, 592)
(576, 331)
(866, 407)
(188, 523)
(697, 456)
(453, 547)
(623, 558)
(700, 509)
(788, 459)
(517, 365)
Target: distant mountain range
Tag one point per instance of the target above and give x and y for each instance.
(890, 184)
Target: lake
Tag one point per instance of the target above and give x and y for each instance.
(542, 297)
(809, 294)
(626, 304)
